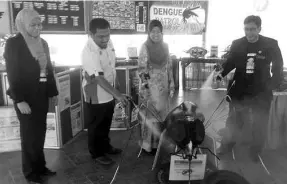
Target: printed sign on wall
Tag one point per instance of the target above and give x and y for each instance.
(76, 118)
(180, 17)
(64, 92)
(52, 138)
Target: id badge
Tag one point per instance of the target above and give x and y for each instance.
(250, 65)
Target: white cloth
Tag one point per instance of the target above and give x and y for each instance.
(96, 60)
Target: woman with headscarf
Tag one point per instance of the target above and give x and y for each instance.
(32, 83)
(156, 85)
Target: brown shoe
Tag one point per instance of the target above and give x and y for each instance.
(35, 179)
(104, 160)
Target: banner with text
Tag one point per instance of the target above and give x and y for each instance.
(180, 17)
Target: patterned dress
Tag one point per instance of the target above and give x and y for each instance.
(154, 100)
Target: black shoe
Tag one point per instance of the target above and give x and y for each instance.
(104, 160)
(35, 179)
(153, 151)
(48, 172)
(150, 153)
(114, 151)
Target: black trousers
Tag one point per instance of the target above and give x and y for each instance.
(100, 120)
(254, 111)
(33, 132)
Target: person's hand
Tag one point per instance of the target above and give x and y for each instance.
(122, 98)
(54, 100)
(24, 108)
(218, 77)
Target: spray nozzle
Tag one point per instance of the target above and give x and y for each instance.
(219, 77)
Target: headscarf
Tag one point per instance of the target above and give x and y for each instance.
(35, 44)
(158, 52)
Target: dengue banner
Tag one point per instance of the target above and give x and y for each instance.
(180, 17)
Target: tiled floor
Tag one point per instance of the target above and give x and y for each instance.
(75, 166)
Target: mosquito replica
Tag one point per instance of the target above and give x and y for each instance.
(180, 156)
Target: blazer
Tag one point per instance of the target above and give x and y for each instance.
(23, 71)
(267, 52)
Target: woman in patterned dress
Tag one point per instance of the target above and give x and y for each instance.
(156, 85)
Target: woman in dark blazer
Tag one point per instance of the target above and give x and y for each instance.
(32, 83)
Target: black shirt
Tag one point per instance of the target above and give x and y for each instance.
(250, 65)
(254, 78)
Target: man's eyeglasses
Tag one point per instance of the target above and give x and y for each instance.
(250, 29)
(155, 32)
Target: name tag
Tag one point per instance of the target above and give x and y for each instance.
(250, 65)
(43, 79)
(42, 74)
(251, 54)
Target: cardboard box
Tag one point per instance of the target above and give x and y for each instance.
(9, 127)
(9, 133)
(8, 117)
(11, 145)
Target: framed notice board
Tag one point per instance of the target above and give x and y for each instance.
(70, 104)
(57, 16)
(125, 17)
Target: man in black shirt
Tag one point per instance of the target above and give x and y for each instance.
(251, 94)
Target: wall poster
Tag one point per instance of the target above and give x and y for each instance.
(64, 92)
(180, 17)
(125, 17)
(57, 16)
(76, 121)
(52, 138)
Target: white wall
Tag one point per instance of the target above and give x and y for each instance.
(274, 24)
(66, 49)
(225, 23)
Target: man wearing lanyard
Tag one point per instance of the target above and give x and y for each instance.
(98, 63)
(251, 93)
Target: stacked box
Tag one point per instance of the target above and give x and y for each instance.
(9, 130)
